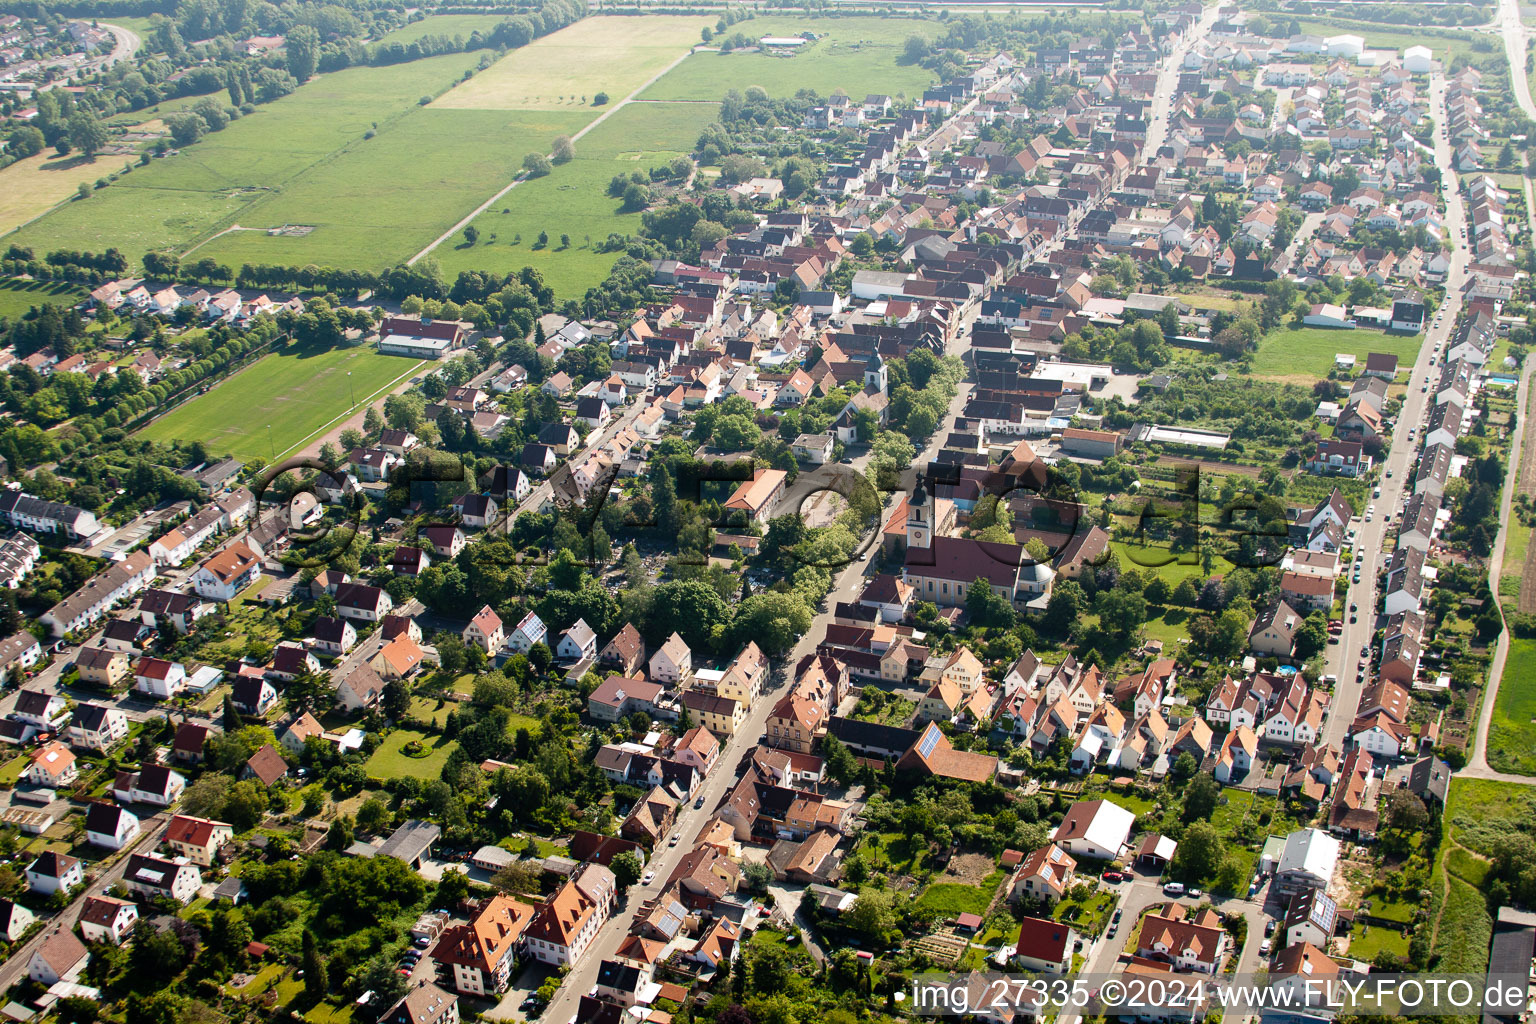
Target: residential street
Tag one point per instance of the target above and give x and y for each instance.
(1103, 957)
(1344, 657)
(14, 969)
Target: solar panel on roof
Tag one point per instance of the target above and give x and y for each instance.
(929, 741)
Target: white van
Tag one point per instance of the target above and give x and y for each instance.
(1174, 889)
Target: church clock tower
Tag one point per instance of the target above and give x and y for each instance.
(919, 517)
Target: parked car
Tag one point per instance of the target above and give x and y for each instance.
(1113, 876)
(1174, 889)
(649, 877)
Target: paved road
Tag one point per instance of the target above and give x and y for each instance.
(1103, 956)
(1477, 764)
(1167, 78)
(1344, 659)
(1513, 31)
(15, 968)
(127, 44)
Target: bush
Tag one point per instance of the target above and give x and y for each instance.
(537, 165)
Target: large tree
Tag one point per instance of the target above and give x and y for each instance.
(1200, 853)
(87, 134)
(303, 49)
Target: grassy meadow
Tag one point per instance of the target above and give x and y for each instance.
(449, 25)
(573, 200)
(298, 392)
(1512, 732)
(362, 172)
(1306, 353)
(182, 199)
(857, 55)
(380, 201)
(16, 297)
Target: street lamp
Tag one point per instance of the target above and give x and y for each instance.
(351, 389)
(270, 446)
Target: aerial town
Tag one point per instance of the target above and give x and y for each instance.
(704, 515)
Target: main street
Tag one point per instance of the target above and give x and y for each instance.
(1401, 458)
(1168, 79)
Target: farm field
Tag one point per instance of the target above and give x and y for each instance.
(297, 392)
(1446, 47)
(176, 201)
(31, 187)
(1512, 732)
(378, 202)
(449, 25)
(1306, 353)
(573, 200)
(16, 297)
(857, 55)
(567, 68)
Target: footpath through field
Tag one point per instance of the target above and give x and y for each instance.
(605, 115)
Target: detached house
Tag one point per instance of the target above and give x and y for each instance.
(529, 630)
(97, 727)
(150, 876)
(61, 957)
(1046, 874)
(1189, 943)
(485, 631)
(672, 662)
(109, 826)
(107, 919)
(198, 839)
(363, 603)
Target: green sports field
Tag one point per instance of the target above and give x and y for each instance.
(1306, 353)
(297, 393)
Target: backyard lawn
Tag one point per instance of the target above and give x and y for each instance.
(1368, 940)
(279, 402)
(950, 899)
(426, 709)
(1173, 566)
(390, 761)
